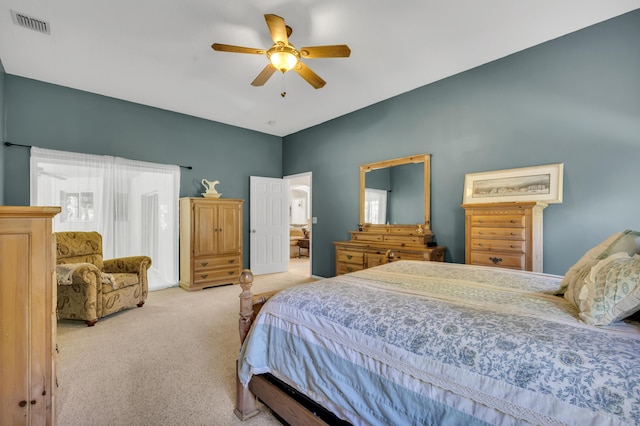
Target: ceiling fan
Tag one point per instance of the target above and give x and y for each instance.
(43, 172)
(284, 56)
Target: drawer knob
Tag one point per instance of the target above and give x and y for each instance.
(512, 246)
(231, 272)
(204, 263)
(204, 276)
(495, 260)
(349, 256)
(349, 269)
(231, 260)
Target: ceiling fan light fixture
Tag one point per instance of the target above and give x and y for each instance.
(283, 58)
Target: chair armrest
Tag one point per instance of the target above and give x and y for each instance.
(78, 273)
(127, 265)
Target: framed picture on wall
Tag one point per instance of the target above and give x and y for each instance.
(537, 183)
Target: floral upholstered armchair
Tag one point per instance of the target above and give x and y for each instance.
(90, 287)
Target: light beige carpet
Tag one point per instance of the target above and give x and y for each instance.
(171, 362)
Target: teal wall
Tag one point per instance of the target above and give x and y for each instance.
(55, 117)
(574, 100)
(2, 135)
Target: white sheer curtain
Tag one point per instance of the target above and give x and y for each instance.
(133, 204)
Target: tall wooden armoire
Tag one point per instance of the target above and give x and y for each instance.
(27, 315)
(210, 242)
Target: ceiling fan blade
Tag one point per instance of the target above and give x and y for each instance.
(332, 51)
(236, 49)
(311, 77)
(264, 75)
(277, 28)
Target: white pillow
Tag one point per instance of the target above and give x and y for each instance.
(627, 242)
(612, 290)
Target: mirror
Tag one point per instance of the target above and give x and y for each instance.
(396, 191)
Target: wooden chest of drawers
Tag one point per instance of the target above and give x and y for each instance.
(354, 256)
(507, 235)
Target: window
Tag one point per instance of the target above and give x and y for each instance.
(132, 204)
(375, 206)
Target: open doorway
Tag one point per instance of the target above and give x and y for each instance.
(300, 223)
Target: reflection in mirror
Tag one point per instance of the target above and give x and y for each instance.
(375, 206)
(396, 191)
(391, 194)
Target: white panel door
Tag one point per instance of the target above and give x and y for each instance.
(269, 225)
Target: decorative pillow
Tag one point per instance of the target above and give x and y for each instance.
(612, 290)
(627, 241)
(578, 281)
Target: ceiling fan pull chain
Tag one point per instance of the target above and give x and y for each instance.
(283, 93)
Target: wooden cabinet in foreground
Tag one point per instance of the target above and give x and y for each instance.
(374, 246)
(210, 242)
(27, 316)
(506, 235)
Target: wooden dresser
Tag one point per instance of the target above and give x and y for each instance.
(210, 242)
(506, 235)
(27, 315)
(375, 246)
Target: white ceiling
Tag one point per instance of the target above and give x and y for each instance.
(157, 52)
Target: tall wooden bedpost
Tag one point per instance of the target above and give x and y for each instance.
(246, 303)
(245, 399)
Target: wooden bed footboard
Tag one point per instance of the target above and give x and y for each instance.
(286, 403)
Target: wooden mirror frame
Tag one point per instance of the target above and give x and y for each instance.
(421, 158)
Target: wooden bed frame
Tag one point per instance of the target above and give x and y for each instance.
(287, 404)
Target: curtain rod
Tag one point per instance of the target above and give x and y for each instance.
(29, 146)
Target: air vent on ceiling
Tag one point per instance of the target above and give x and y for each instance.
(31, 23)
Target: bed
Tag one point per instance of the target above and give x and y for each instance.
(417, 343)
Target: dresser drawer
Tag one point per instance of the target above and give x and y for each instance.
(375, 259)
(503, 260)
(499, 220)
(435, 254)
(348, 256)
(502, 233)
(498, 245)
(346, 268)
(398, 255)
(402, 240)
(366, 237)
(226, 274)
(214, 262)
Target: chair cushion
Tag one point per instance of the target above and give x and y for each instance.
(111, 282)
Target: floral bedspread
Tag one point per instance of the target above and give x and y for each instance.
(436, 343)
